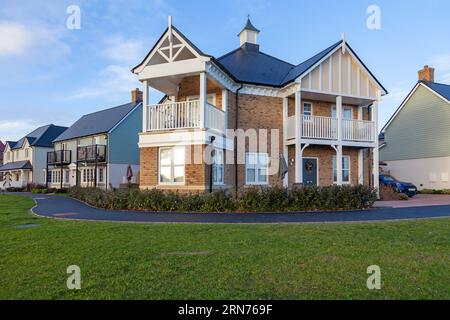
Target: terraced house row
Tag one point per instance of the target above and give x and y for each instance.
(321, 115)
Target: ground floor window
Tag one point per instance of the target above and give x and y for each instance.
(171, 165)
(256, 168)
(67, 176)
(100, 175)
(218, 167)
(345, 169)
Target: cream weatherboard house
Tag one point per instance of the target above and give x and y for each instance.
(24, 161)
(415, 144)
(325, 110)
(99, 150)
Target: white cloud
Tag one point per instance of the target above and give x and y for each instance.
(14, 38)
(116, 78)
(14, 130)
(112, 81)
(442, 65)
(123, 50)
(37, 41)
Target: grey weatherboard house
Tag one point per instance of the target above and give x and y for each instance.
(415, 143)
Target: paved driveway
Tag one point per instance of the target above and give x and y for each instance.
(67, 208)
(420, 200)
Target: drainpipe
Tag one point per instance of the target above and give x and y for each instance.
(235, 145)
(369, 154)
(211, 167)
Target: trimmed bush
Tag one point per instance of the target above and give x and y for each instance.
(250, 200)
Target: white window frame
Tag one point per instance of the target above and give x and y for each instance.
(257, 167)
(172, 166)
(208, 96)
(100, 175)
(218, 165)
(26, 153)
(343, 169)
(311, 105)
(334, 110)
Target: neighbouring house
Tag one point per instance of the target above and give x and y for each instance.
(98, 149)
(415, 142)
(321, 115)
(2, 147)
(24, 161)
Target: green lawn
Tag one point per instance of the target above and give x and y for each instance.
(144, 261)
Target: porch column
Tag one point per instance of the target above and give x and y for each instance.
(376, 156)
(339, 118)
(225, 106)
(360, 152)
(202, 98)
(145, 103)
(361, 166)
(339, 165)
(298, 138)
(339, 138)
(285, 137)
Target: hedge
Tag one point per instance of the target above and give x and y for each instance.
(271, 199)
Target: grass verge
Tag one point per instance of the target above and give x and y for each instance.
(145, 261)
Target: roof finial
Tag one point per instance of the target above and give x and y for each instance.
(170, 28)
(344, 46)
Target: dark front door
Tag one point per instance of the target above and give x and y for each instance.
(309, 172)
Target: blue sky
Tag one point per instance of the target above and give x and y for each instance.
(50, 74)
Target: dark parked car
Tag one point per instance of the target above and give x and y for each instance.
(401, 187)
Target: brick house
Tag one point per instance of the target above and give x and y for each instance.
(318, 115)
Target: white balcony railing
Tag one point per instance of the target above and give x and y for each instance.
(358, 130)
(184, 115)
(326, 128)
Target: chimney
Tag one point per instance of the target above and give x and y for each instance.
(426, 74)
(136, 95)
(248, 37)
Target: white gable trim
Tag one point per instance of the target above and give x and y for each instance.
(307, 73)
(406, 101)
(158, 49)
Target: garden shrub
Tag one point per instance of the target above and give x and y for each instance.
(272, 199)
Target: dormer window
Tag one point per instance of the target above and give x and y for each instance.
(26, 153)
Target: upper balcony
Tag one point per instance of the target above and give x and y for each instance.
(184, 115)
(92, 153)
(59, 157)
(327, 128)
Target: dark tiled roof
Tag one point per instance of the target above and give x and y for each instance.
(18, 165)
(41, 137)
(253, 66)
(97, 122)
(442, 89)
